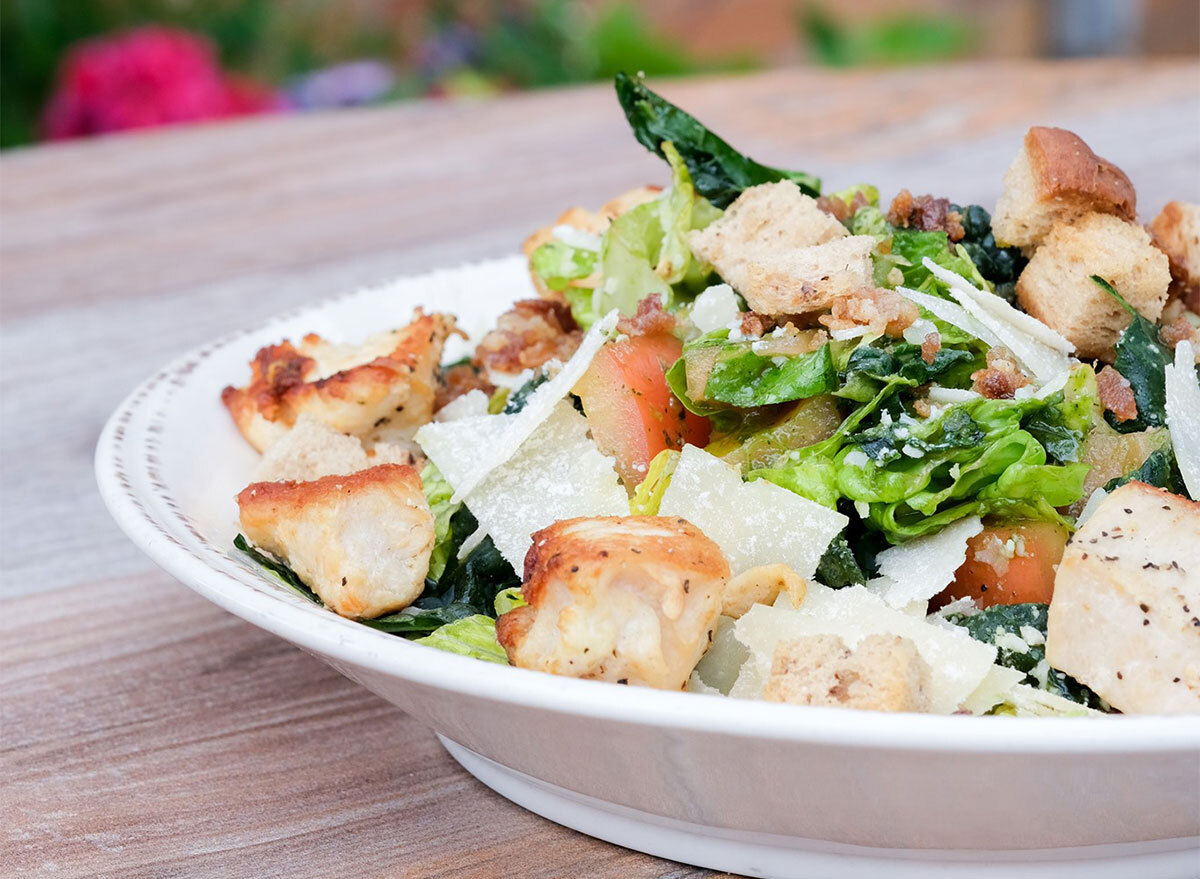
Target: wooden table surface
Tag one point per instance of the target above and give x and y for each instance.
(147, 733)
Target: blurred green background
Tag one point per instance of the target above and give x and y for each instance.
(70, 69)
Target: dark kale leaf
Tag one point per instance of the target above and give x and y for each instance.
(718, 171)
(518, 398)
(884, 442)
(1000, 265)
(838, 566)
(1142, 358)
(1159, 469)
(1010, 618)
(468, 586)
(276, 568)
(904, 361)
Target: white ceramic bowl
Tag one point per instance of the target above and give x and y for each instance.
(757, 788)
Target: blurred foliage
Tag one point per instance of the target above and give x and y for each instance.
(909, 38)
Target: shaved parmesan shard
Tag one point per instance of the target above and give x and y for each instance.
(1041, 350)
(1183, 415)
(754, 523)
(472, 403)
(944, 396)
(557, 473)
(996, 687)
(952, 314)
(957, 662)
(488, 456)
(921, 568)
(998, 307)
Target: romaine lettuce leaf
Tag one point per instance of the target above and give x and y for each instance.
(648, 495)
(645, 251)
(473, 636)
(558, 264)
(438, 492)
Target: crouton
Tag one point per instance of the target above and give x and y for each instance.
(1125, 616)
(589, 223)
(807, 279)
(1055, 179)
(1057, 289)
(768, 218)
(379, 391)
(311, 450)
(883, 673)
(1176, 232)
(361, 542)
(625, 599)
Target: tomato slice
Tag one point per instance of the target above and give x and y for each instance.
(631, 412)
(1012, 563)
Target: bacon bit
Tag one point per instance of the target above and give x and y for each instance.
(1179, 331)
(930, 347)
(531, 333)
(458, 380)
(884, 311)
(1001, 378)
(755, 324)
(838, 209)
(926, 213)
(922, 407)
(1116, 394)
(649, 319)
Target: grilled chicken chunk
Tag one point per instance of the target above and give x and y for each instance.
(362, 542)
(625, 599)
(1125, 617)
(379, 391)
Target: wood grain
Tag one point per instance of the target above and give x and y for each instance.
(145, 732)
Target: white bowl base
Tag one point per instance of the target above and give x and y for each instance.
(781, 857)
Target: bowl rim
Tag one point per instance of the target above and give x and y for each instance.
(161, 529)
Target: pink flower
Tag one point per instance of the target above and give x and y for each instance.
(142, 78)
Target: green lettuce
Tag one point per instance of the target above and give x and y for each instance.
(558, 264)
(473, 636)
(910, 477)
(645, 251)
(438, 492)
(649, 493)
(741, 378)
(999, 265)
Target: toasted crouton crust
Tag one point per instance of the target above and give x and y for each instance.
(807, 279)
(1057, 289)
(1056, 178)
(625, 599)
(362, 542)
(380, 392)
(1176, 232)
(883, 673)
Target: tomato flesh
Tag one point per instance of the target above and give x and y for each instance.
(1013, 563)
(631, 412)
